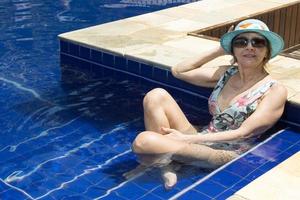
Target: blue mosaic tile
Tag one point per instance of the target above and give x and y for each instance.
(278, 144)
(160, 75)
(73, 49)
(64, 46)
(64, 194)
(133, 67)
(12, 195)
(84, 52)
(225, 178)
(174, 81)
(225, 195)
(147, 181)
(192, 194)
(79, 187)
(210, 188)
(96, 56)
(240, 168)
(162, 192)
(255, 160)
(267, 166)
(131, 191)
(96, 71)
(150, 196)
(122, 76)
(293, 149)
(255, 174)
(289, 136)
(146, 71)
(108, 59)
(94, 191)
(111, 196)
(108, 72)
(3, 187)
(120, 63)
(183, 183)
(291, 113)
(240, 185)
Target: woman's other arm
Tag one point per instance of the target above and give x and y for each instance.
(265, 116)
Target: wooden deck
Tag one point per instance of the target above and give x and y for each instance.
(283, 20)
(293, 52)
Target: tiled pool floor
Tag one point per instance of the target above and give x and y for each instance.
(100, 177)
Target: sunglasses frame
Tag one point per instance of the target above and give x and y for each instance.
(255, 42)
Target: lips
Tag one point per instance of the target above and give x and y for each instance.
(249, 55)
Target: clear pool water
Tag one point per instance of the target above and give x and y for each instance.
(68, 142)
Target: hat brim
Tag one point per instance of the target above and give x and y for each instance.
(275, 40)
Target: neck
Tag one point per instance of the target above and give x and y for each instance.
(250, 75)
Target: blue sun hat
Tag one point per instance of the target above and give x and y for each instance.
(256, 26)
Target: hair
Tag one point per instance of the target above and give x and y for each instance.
(266, 59)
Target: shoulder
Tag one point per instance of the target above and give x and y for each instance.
(277, 93)
(279, 89)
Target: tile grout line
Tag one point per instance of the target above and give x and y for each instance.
(222, 167)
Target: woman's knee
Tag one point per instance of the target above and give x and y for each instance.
(155, 97)
(145, 142)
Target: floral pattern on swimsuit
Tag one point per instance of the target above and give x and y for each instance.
(235, 114)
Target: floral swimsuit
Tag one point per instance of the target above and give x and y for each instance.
(235, 114)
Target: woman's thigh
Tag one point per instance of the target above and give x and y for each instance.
(176, 118)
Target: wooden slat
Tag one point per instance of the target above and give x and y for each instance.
(297, 38)
(293, 26)
(288, 31)
(271, 20)
(276, 27)
(282, 24)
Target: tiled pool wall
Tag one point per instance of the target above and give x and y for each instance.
(86, 64)
(92, 63)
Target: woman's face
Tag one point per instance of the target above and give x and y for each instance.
(250, 49)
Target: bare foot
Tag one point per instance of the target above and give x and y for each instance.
(169, 175)
(135, 172)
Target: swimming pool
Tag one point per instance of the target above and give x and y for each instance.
(66, 134)
(63, 140)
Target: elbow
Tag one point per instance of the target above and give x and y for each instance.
(249, 133)
(174, 71)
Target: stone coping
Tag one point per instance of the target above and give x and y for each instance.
(161, 37)
(281, 182)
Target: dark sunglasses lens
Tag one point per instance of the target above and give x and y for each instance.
(240, 43)
(258, 42)
(255, 42)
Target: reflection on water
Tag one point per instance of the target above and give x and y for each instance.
(62, 139)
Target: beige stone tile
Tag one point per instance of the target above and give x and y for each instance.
(179, 12)
(184, 25)
(155, 35)
(213, 5)
(249, 8)
(295, 99)
(281, 182)
(192, 44)
(152, 19)
(159, 54)
(283, 1)
(292, 84)
(121, 27)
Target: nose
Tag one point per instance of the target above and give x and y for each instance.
(249, 46)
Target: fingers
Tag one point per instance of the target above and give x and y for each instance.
(167, 130)
(230, 28)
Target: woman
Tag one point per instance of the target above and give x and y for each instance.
(245, 102)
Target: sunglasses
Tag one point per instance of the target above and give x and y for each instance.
(242, 42)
